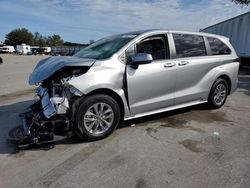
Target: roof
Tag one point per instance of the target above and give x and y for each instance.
(242, 15)
(145, 33)
(159, 31)
(152, 31)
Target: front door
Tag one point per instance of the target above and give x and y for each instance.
(151, 86)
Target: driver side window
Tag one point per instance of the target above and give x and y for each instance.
(152, 45)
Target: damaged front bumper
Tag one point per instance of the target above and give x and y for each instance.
(52, 105)
(44, 119)
(33, 130)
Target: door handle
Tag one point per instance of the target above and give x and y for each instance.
(182, 63)
(168, 65)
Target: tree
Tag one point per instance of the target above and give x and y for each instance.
(242, 2)
(54, 40)
(19, 36)
(39, 40)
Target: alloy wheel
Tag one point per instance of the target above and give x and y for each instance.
(98, 118)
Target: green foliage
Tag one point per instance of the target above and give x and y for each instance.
(39, 40)
(54, 40)
(18, 36)
(242, 2)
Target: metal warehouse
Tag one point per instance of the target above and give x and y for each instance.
(237, 29)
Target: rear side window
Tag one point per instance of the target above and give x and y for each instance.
(218, 47)
(189, 45)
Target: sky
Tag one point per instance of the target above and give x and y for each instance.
(84, 20)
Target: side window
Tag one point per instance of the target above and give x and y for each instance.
(218, 47)
(189, 45)
(156, 46)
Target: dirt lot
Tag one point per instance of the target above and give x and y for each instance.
(174, 149)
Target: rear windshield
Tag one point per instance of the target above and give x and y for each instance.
(105, 48)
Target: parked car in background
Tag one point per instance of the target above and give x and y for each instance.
(7, 49)
(33, 49)
(127, 76)
(41, 50)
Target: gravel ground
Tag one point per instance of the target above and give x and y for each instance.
(193, 147)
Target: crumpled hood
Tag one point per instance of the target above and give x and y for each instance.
(46, 67)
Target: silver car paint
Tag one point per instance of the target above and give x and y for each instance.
(106, 74)
(155, 87)
(151, 86)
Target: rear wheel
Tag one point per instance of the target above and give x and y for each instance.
(97, 116)
(218, 93)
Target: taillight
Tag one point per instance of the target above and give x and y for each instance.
(237, 60)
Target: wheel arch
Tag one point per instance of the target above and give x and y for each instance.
(228, 80)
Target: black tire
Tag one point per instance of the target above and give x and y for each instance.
(214, 99)
(86, 123)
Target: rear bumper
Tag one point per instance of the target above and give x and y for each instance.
(234, 85)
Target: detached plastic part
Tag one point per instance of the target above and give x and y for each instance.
(48, 108)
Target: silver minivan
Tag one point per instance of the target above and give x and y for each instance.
(128, 76)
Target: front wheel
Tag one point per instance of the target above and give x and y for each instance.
(97, 116)
(218, 93)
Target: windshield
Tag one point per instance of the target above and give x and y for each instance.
(105, 48)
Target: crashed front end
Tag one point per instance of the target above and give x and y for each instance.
(52, 114)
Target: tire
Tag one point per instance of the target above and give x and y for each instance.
(218, 94)
(97, 117)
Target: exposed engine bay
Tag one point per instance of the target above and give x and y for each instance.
(52, 114)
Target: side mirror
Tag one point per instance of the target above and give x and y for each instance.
(141, 58)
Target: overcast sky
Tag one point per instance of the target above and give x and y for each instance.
(83, 20)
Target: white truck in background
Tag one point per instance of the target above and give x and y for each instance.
(23, 49)
(7, 49)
